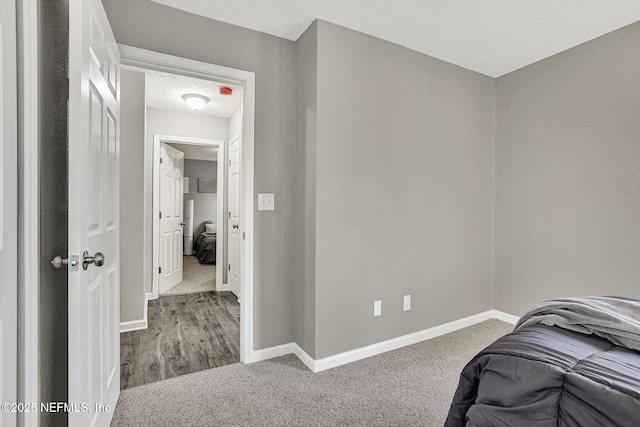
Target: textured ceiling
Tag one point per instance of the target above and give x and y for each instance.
(492, 37)
(164, 91)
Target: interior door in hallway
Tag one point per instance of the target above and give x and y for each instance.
(234, 217)
(171, 218)
(93, 228)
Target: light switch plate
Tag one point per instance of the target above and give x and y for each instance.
(406, 303)
(265, 202)
(377, 308)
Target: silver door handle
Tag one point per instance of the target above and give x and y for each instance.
(97, 259)
(58, 262)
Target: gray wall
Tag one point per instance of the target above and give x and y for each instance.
(132, 239)
(305, 202)
(568, 180)
(394, 176)
(205, 205)
(152, 26)
(404, 190)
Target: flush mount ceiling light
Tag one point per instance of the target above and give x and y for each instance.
(195, 101)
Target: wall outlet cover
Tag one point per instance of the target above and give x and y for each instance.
(266, 202)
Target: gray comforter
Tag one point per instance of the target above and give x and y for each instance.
(616, 319)
(542, 375)
(206, 248)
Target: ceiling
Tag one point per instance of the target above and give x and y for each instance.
(164, 91)
(492, 37)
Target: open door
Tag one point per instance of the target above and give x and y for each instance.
(171, 218)
(94, 270)
(233, 277)
(8, 211)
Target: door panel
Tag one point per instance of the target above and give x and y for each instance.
(94, 347)
(171, 221)
(234, 217)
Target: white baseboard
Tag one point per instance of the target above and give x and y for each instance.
(271, 352)
(381, 347)
(137, 325)
(395, 343)
(304, 357)
(509, 318)
(134, 325)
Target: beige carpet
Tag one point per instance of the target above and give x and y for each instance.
(196, 278)
(411, 386)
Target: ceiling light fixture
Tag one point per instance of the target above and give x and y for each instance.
(195, 101)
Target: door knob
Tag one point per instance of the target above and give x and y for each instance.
(235, 226)
(97, 259)
(72, 261)
(58, 261)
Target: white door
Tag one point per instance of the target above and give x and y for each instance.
(233, 278)
(171, 219)
(8, 218)
(94, 302)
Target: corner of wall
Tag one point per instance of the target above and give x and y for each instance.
(495, 196)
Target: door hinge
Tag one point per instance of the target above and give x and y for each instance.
(244, 235)
(229, 162)
(229, 267)
(160, 215)
(229, 214)
(160, 160)
(159, 270)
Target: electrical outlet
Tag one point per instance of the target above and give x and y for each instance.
(265, 202)
(406, 303)
(377, 308)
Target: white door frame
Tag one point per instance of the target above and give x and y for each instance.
(29, 363)
(172, 64)
(8, 211)
(167, 139)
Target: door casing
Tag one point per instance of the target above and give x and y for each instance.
(143, 58)
(157, 140)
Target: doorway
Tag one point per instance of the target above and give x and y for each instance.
(157, 62)
(193, 234)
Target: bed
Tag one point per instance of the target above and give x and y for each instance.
(569, 362)
(206, 244)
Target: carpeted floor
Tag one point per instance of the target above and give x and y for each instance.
(196, 278)
(411, 386)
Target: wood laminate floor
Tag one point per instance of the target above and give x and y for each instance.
(186, 333)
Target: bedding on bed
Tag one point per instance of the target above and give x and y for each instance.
(206, 248)
(616, 319)
(545, 375)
